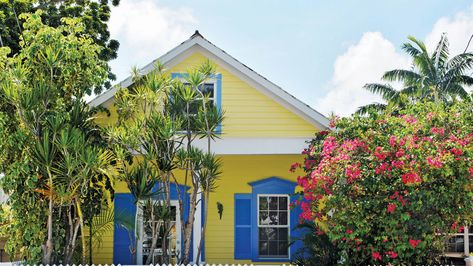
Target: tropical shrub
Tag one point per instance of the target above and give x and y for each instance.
(58, 171)
(391, 188)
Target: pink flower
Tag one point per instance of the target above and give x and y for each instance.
(400, 153)
(435, 162)
(454, 226)
(411, 178)
(352, 172)
(376, 256)
(391, 207)
(334, 121)
(392, 141)
(471, 171)
(391, 254)
(409, 119)
(378, 152)
(414, 242)
(397, 164)
(330, 144)
(349, 231)
(294, 167)
(438, 131)
(456, 152)
(382, 168)
(395, 195)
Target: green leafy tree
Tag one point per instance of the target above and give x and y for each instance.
(434, 76)
(93, 14)
(159, 119)
(58, 154)
(390, 189)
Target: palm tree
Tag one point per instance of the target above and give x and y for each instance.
(433, 77)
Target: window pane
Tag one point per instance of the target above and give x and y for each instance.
(262, 234)
(273, 203)
(282, 234)
(207, 89)
(283, 248)
(455, 244)
(263, 218)
(263, 248)
(263, 203)
(268, 233)
(283, 217)
(273, 218)
(194, 106)
(283, 203)
(273, 248)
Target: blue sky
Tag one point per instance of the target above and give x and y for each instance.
(320, 51)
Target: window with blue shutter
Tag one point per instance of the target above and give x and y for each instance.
(265, 218)
(212, 89)
(124, 213)
(242, 226)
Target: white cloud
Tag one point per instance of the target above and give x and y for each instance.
(146, 31)
(459, 29)
(364, 62)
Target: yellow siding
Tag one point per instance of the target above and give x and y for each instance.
(249, 113)
(102, 253)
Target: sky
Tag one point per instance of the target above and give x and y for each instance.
(322, 52)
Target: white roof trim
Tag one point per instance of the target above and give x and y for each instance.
(253, 146)
(259, 82)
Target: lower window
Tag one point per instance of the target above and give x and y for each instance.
(273, 226)
(461, 244)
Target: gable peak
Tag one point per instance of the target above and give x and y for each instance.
(196, 34)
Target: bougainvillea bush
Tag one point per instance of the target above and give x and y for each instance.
(391, 188)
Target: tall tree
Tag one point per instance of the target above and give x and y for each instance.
(159, 119)
(433, 76)
(93, 14)
(58, 155)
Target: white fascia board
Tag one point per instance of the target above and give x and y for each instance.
(253, 146)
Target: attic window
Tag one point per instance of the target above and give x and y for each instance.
(208, 90)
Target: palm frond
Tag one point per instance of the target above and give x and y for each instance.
(441, 53)
(369, 108)
(419, 44)
(408, 77)
(384, 90)
(410, 49)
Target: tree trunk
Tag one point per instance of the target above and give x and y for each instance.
(204, 226)
(189, 226)
(48, 247)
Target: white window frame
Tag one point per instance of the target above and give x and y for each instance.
(139, 248)
(466, 243)
(288, 226)
(212, 81)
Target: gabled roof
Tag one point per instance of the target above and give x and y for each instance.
(198, 43)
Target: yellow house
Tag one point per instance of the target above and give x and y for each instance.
(264, 132)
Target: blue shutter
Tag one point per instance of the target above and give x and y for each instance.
(296, 233)
(124, 209)
(242, 226)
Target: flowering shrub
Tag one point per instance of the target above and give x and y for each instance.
(390, 188)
